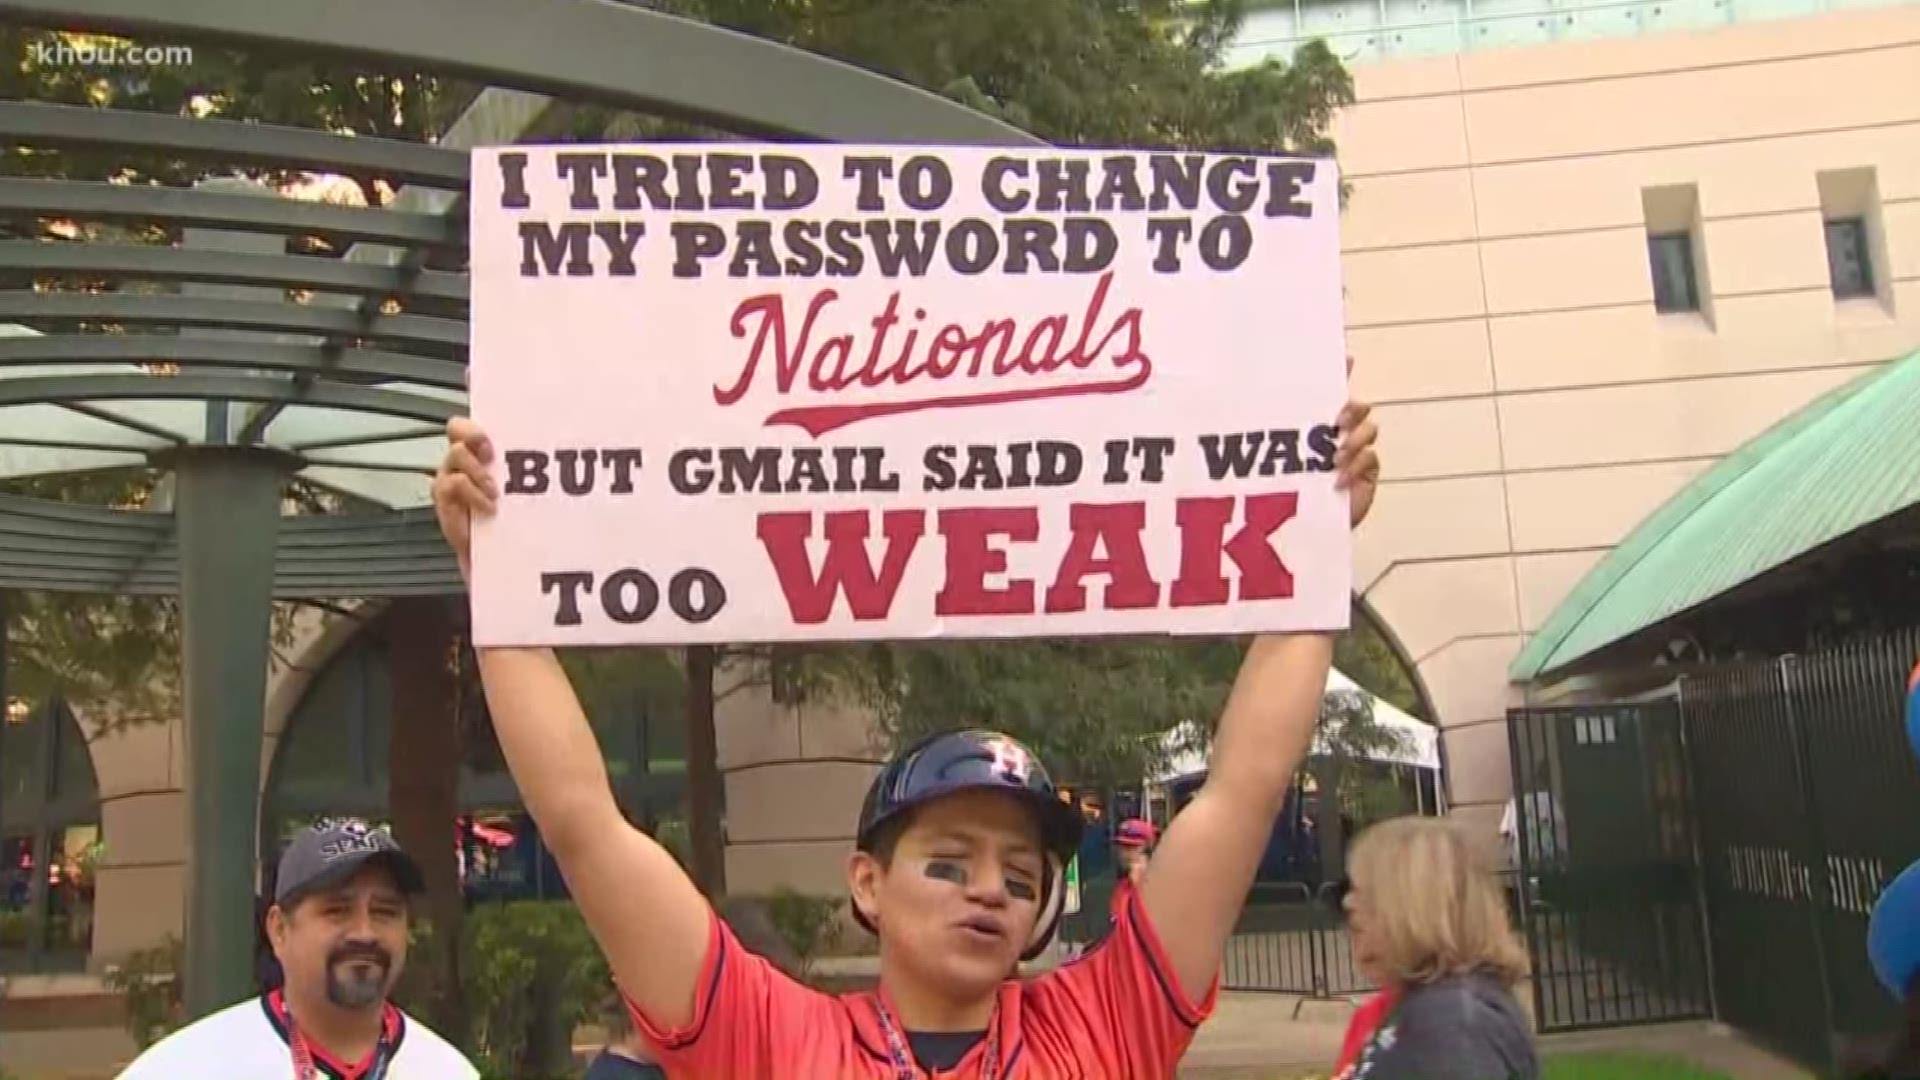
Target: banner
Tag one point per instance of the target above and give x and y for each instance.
(755, 393)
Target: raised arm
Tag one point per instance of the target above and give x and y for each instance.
(650, 920)
(1197, 882)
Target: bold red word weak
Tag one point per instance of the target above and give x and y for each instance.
(1106, 543)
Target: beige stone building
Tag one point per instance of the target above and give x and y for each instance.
(1580, 269)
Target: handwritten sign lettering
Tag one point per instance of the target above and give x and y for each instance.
(780, 393)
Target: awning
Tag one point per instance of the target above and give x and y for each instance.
(1843, 462)
(1418, 743)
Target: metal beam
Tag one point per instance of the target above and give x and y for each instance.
(48, 579)
(120, 349)
(228, 516)
(76, 390)
(172, 438)
(602, 51)
(25, 523)
(219, 425)
(73, 444)
(186, 206)
(155, 262)
(71, 547)
(444, 337)
(374, 466)
(364, 440)
(233, 141)
(495, 116)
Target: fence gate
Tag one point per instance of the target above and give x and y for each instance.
(1807, 796)
(1289, 942)
(1606, 884)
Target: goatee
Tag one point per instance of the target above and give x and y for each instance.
(349, 986)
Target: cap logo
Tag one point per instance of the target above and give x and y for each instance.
(1011, 760)
(351, 837)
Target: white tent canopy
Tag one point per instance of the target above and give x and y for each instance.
(1418, 744)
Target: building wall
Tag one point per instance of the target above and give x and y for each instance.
(795, 778)
(1535, 407)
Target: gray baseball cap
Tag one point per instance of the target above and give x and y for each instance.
(333, 851)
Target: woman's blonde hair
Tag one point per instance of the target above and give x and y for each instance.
(1435, 909)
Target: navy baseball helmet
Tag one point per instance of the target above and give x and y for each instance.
(975, 760)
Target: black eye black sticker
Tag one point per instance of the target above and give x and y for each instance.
(951, 872)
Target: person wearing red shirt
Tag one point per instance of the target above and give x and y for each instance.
(1133, 840)
(958, 869)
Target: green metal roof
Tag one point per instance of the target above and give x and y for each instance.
(1842, 462)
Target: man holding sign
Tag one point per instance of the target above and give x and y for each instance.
(784, 458)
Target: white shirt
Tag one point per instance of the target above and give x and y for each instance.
(247, 1042)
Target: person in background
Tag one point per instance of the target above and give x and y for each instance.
(1429, 926)
(1133, 841)
(625, 1056)
(338, 925)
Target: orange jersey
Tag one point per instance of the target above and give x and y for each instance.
(1115, 1013)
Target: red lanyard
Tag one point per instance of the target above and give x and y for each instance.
(902, 1061)
(302, 1054)
(303, 1067)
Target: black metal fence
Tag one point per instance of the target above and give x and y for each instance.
(1607, 891)
(1290, 942)
(1808, 804)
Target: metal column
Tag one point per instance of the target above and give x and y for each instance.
(228, 509)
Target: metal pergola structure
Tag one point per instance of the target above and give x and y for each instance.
(231, 386)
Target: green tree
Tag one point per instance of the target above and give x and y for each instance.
(1369, 658)
(1350, 739)
(1092, 709)
(1135, 73)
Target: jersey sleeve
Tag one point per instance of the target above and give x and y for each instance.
(1123, 991)
(744, 1008)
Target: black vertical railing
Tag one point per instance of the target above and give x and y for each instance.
(1808, 802)
(1605, 885)
(1291, 942)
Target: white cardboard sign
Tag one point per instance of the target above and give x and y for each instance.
(750, 393)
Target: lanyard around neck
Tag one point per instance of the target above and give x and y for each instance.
(904, 1067)
(302, 1051)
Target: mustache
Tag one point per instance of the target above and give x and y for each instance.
(348, 953)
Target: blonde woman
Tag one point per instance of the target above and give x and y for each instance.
(1429, 926)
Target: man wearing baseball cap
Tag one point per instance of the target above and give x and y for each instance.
(1133, 840)
(338, 926)
(958, 867)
